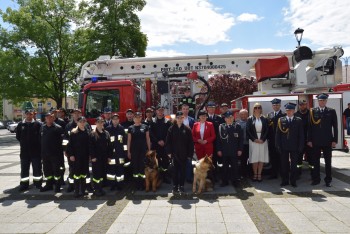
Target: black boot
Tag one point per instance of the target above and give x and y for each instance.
(83, 187)
(76, 188)
(48, 186)
(38, 184)
(97, 190)
(23, 187)
(70, 188)
(58, 186)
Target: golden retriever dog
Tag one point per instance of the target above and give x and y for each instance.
(151, 171)
(200, 172)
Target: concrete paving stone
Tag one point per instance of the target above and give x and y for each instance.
(333, 226)
(207, 203)
(152, 228)
(66, 228)
(160, 210)
(211, 228)
(233, 209)
(277, 201)
(13, 209)
(298, 200)
(53, 217)
(229, 202)
(209, 217)
(305, 226)
(134, 210)
(155, 219)
(41, 203)
(292, 216)
(126, 218)
(139, 203)
(343, 215)
(181, 228)
(231, 218)
(332, 206)
(308, 207)
(123, 228)
(160, 203)
(38, 228)
(14, 203)
(212, 210)
(241, 227)
(342, 200)
(4, 218)
(29, 217)
(186, 204)
(283, 208)
(182, 218)
(182, 211)
(76, 218)
(13, 169)
(13, 227)
(318, 216)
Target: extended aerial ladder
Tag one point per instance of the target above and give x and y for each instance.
(302, 70)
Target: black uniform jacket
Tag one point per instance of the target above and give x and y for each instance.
(272, 120)
(101, 147)
(51, 141)
(216, 120)
(323, 127)
(28, 135)
(305, 118)
(179, 142)
(120, 139)
(159, 130)
(230, 139)
(251, 131)
(78, 145)
(290, 136)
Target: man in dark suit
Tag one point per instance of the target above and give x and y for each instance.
(216, 120)
(107, 114)
(272, 120)
(304, 114)
(189, 122)
(289, 142)
(322, 135)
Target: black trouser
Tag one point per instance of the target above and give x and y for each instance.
(289, 170)
(243, 159)
(163, 159)
(98, 171)
(179, 173)
(216, 160)
(115, 172)
(138, 163)
(37, 173)
(306, 152)
(81, 168)
(52, 168)
(315, 159)
(274, 160)
(71, 172)
(229, 173)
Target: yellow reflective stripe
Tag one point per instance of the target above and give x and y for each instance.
(77, 177)
(25, 179)
(127, 164)
(57, 177)
(299, 166)
(97, 180)
(48, 177)
(310, 166)
(110, 177)
(162, 169)
(135, 175)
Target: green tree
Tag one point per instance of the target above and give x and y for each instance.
(114, 28)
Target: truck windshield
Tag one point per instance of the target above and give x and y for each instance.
(97, 100)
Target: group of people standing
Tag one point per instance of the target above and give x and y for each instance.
(283, 139)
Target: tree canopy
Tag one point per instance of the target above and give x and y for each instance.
(47, 42)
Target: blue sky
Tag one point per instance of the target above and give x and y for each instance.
(190, 27)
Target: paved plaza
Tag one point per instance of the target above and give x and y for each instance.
(252, 208)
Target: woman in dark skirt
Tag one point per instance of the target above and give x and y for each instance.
(78, 153)
(138, 144)
(100, 151)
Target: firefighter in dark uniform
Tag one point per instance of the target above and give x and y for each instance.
(158, 131)
(149, 117)
(322, 135)
(216, 120)
(51, 153)
(129, 119)
(69, 127)
(115, 167)
(138, 144)
(289, 143)
(78, 153)
(62, 113)
(304, 114)
(28, 135)
(272, 118)
(189, 100)
(100, 151)
(107, 114)
(229, 147)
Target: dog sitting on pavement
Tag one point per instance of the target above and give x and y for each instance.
(200, 172)
(151, 171)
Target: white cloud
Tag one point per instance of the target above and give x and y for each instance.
(247, 17)
(163, 53)
(259, 50)
(168, 23)
(326, 23)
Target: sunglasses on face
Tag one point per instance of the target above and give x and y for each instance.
(257, 108)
